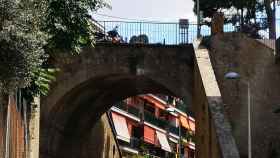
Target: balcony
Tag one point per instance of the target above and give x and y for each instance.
(185, 134)
(150, 156)
(129, 109)
(174, 130)
(149, 117)
(184, 108)
(135, 143)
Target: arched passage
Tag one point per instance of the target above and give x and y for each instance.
(89, 84)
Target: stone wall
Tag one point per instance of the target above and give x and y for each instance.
(213, 132)
(256, 65)
(90, 83)
(103, 144)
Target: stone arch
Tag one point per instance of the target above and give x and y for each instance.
(87, 85)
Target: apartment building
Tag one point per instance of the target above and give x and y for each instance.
(145, 127)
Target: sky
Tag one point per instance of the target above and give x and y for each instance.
(152, 10)
(148, 10)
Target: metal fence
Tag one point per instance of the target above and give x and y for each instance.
(156, 32)
(170, 33)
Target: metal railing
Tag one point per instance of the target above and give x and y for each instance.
(174, 130)
(151, 118)
(170, 33)
(154, 32)
(135, 143)
(127, 108)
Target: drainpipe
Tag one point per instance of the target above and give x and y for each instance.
(8, 125)
(26, 140)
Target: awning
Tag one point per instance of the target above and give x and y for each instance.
(192, 125)
(184, 122)
(121, 127)
(129, 150)
(163, 141)
(156, 103)
(149, 134)
(191, 146)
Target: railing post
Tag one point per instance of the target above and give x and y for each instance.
(176, 25)
(104, 31)
(140, 28)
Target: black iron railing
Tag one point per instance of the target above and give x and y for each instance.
(154, 32)
(128, 108)
(151, 118)
(171, 33)
(174, 130)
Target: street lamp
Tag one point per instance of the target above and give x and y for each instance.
(173, 110)
(235, 75)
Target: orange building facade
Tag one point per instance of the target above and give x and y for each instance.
(144, 127)
(13, 129)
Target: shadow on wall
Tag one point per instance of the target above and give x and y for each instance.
(255, 63)
(99, 138)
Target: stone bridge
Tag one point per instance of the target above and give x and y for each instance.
(88, 84)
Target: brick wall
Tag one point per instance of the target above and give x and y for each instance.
(3, 112)
(12, 131)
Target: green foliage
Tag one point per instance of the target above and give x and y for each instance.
(30, 28)
(231, 8)
(21, 43)
(41, 79)
(189, 136)
(241, 13)
(68, 22)
(209, 7)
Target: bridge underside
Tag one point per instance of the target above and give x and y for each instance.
(89, 84)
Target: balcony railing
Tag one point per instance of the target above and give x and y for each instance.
(184, 108)
(150, 156)
(129, 109)
(135, 143)
(174, 130)
(155, 121)
(152, 119)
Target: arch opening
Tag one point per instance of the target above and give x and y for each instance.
(75, 114)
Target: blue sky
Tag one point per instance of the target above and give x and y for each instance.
(150, 10)
(154, 10)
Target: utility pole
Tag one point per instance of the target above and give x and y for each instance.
(276, 48)
(198, 18)
(249, 120)
(274, 19)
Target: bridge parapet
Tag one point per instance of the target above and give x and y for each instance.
(214, 137)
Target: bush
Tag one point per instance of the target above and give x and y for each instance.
(21, 44)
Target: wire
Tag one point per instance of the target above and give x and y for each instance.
(123, 18)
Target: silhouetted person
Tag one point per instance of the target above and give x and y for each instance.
(113, 33)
